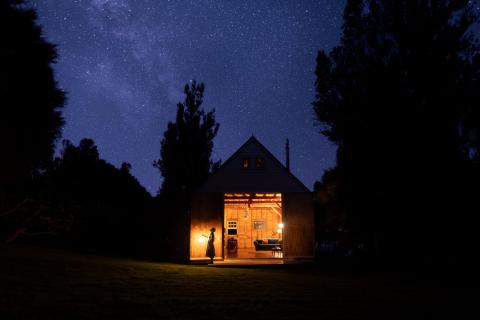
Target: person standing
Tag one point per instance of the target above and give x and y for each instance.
(210, 245)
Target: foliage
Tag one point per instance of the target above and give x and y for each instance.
(398, 97)
(78, 198)
(330, 216)
(108, 204)
(186, 148)
(83, 201)
(30, 100)
(185, 162)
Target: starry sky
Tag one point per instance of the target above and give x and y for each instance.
(124, 64)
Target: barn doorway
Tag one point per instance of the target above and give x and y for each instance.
(253, 225)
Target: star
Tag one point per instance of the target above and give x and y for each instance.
(124, 64)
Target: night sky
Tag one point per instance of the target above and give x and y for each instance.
(124, 65)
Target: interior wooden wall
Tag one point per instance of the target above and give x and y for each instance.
(299, 230)
(207, 212)
(298, 218)
(246, 216)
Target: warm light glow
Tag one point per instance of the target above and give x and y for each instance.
(280, 226)
(199, 236)
(279, 230)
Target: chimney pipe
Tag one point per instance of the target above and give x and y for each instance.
(287, 154)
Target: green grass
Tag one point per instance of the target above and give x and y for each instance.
(38, 283)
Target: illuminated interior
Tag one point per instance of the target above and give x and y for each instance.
(253, 225)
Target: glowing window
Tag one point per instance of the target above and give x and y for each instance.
(245, 163)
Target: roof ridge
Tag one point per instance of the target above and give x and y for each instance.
(253, 139)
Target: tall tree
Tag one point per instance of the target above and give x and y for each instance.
(185, 156)
(392, 96)
(186, 148)
(30, 101)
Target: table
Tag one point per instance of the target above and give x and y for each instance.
(277, 252)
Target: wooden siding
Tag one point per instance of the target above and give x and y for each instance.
(299, 230)
(207, 212)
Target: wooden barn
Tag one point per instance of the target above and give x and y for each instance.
(257, 206)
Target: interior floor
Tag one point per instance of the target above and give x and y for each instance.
(250, 254)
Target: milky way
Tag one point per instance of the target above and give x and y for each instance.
(124, 64)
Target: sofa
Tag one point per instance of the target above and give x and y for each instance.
(267, 244)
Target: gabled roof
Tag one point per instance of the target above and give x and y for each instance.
(273, 177)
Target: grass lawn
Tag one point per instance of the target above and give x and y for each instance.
(38, 283)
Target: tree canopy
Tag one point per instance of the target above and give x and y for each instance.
(77, 198)
(186, 148)
(30, 100)
(185, 163)
(398, 98)
(97, 205)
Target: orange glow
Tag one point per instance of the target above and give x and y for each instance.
(198, 241)
(202, 239)
(258, 216)
(199, 234)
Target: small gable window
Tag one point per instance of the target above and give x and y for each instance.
(245, 163)
(259, 163)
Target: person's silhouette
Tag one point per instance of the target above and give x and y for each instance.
(210, 246)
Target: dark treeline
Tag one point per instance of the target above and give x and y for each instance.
(78, 200)
(31, 102)
(400, 98)
(83, 202)
(108, 205)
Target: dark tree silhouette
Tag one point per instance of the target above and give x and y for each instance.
(78, 198)
(30, 101)
(396, 96)
(107, 207)
(186, 148)
(185, 159)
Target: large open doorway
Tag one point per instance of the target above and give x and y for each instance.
(253, 225)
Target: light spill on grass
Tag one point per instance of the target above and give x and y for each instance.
(44, 283)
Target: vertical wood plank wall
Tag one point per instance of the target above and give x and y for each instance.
(299, 231)
(207, 212)
(245, 218)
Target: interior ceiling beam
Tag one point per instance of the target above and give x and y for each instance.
(246, 201)
(253, 205)
(252, 196)
(278, 211)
